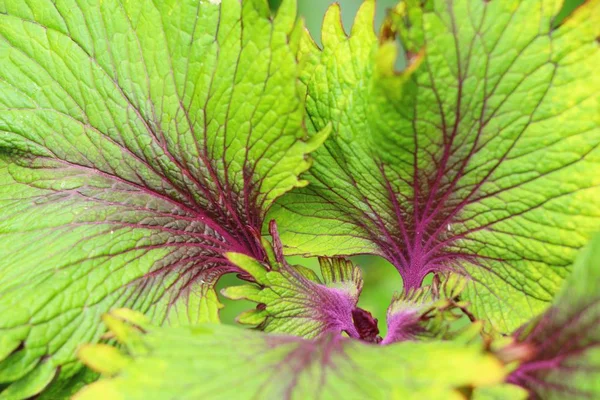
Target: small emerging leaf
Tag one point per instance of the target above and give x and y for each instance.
(293, 301)
(103, 358)
(432, 311)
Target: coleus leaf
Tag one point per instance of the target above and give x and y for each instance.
(66, 388)
(499, 392)
(560, 349)
(131, 161)
(293, 300)
(481, 157)
(431, 312)
(223, 362)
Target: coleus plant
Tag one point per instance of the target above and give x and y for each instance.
(148, 147)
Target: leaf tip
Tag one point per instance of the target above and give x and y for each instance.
(102, 358)
(333, 31)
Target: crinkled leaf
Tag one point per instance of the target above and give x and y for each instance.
(561, 348)
(139, 142)
(481, 157)
(432, 311)
(294, 301)
(224, 362)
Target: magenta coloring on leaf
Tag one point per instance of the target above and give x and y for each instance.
(403, 326)
(555, 349)
(366, 325)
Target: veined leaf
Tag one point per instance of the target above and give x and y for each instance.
(131, 161)
(294, 301)
(224, 362)
(482, 157)
(431, 311)
(561, 348)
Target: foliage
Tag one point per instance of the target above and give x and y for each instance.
(282, 366)
(148, 147)
(456, 164)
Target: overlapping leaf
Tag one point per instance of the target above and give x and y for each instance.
(481, 157)
(222, 362)
(131, 160)
(561, 348)
(431, 312)
(293, 300)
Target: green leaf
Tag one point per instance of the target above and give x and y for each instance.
(500, 392)
(104, 358)
(482, 157)
(560, 350)
(224, 362)
(65, 388)
(139, 142)
(295, 302)
(431, 312)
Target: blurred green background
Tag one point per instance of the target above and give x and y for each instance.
(381, 279)
(314, 10)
